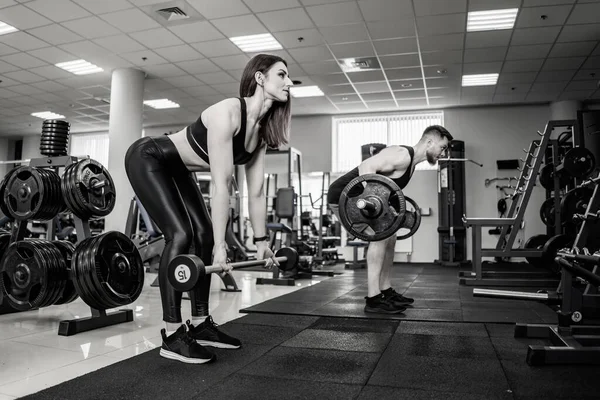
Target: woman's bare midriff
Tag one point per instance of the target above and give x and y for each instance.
(192, 161)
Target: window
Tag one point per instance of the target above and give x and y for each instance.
(94, 145)
(349, 134)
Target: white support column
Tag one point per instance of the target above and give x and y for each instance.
(125, 127)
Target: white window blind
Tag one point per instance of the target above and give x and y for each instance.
(349, 134)
(94, 145)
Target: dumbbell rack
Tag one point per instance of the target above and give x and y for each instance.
(504, 248)
(99, 317)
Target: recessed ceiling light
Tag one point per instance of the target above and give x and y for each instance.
(5, 28)
(306, 91)
(406, 85)
(47, 115)
(344, 98)
(492, 20)
(480, 80)
(79, 67)
(255, 43)
(359, 64)
(161, 103)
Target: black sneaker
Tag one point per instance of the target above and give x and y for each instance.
(207, 334)
(382, 305)
(397, 298)
(180, 346)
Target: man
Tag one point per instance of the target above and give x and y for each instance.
(397, 163)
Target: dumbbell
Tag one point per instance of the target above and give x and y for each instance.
(186, 270)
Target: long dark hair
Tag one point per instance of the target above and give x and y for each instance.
(275, 125)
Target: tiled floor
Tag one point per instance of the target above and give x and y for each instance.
(34, 357)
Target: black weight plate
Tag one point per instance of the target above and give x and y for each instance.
(54, 138)
(56, 282)
(60, 272)
(96, 201)
(547, 212)
(579, 162)
(55, 134)
(551, 247)
(3, 184)
(412, 220)
(22, 276)
(292, 258)
(536, 242)
(57, 122)
(24, 193)
(53, 144)
(49, 268)
(95, 289)
(67, 249)
(388, 216)
(574, 202)
(119, 268)
(67, 188)
(547, 177)
(81, 268)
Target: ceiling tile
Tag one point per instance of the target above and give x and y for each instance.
(576, 33)
(322, 67)
(311, 54)
(548, 86)
(484, 55)
(156, 38)
(24, 76)
(130, 20)
(487, 39)
(23, 41)
(163, 71)
(55, 34)
(584, 74)
(572, 49)
(285, 20)
(482, 68)
(395, 46)
(391, 29)
(442, 57)
(441, 24)
(219, 9)
(578, 95)
(299, 38)
(400, 61)
(379, 10)
(6, 67)
(178, 53)
(534, 35)
(330, 79)
(531, 17)
(7, 94)
(198, 66)
(403, 73)
(470, 91)
(567, 63)
(353, 50)
(49, 86)
(258, 6)
(184, 81)
(58, 10)
(443, 42)
(4, 50)
(345, 33)
(23, 18)
(506, 88)
(119, 44)
(202, 90)
(516, 77)
(338, 89)
(23, 60)
(196, 32)
(555, 76)
(591, 63)
(239, 26)
(231, 62)
(573, 86)
(335, 14)
(377, 96)
(26, 89)
(482, 5)
(217, 48)
(522, 65)
(51, 72)
(91, 27)
(411, 94)
(585, 14)
(351, 107)
(144, 57)
(528, 52)
(434, 7)
(345, 98)
(366, 76)
(102, 7)
(415, 85)
(227, 88)
(372, 87)
(384, 105)
(538, 3)
(509, 98)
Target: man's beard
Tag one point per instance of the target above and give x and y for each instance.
(431, 159)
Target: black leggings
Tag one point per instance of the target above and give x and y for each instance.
(170, 195)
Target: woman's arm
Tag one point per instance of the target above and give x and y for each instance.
(257, 204)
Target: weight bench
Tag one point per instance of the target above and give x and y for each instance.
(356, 263)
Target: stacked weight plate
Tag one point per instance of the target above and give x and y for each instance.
(88, 189)
(55, 138)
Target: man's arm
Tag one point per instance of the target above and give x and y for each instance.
(257, 204)
(386, 161)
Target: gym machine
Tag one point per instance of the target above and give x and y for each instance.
(510, 224)
(576, 337)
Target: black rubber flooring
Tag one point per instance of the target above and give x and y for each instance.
(437, 294)
(304, 357)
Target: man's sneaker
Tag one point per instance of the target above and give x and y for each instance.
(397, 298)
(180, 346)
(207, 334)
(382, 305)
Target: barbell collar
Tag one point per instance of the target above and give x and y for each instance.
(242, 264)
(363, 204)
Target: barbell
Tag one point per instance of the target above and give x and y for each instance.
(186, 270)
(372, 208)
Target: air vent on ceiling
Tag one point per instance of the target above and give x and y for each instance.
(359, 64)
(172, 13)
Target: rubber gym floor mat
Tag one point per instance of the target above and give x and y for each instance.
(437, 293)
(295, 357)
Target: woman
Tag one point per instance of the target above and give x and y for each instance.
(231, 132)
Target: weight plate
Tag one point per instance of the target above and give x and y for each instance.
(66, 249)
(574, 202)
(3, 184)
(386, 215)
(79, 274)
(547, 177)
(551, 247)
(95, 200)
(24, 193)
(412, 220)
(547, 212)
(579, 162)
(536, 242)
(292, 258)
